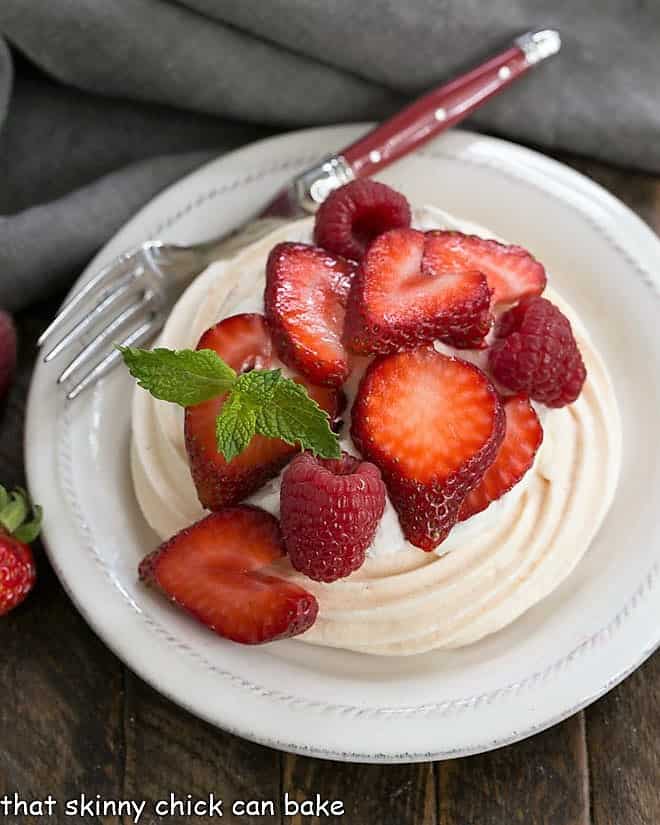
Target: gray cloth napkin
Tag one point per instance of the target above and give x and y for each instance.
(128, 95)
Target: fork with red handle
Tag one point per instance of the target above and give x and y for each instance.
(129, 300)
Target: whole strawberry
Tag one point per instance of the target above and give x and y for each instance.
(7, 351)
(17, 569)
(329, 512)
(536, 353)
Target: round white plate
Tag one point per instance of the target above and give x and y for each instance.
(593, 631)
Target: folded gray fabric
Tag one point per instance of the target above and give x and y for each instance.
(57, 138)
(5, 80)
(41, 246)
(132, 79)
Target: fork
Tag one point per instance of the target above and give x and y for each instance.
(128, 301)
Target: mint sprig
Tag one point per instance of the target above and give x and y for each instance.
(234, 427)
(185, 377)
(259, 401)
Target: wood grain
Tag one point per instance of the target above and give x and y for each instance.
(624, 750)
(60, 688)
(542, 780)
(623, 728)
(170, 751)
(397, 794)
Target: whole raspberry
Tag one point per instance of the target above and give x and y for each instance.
(535, 353)
(329, 512)
(356, 213)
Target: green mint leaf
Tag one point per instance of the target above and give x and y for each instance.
(234, 426)
(260, 401)
(283, 409)
(185, 377)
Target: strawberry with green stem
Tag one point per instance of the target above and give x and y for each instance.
(20, 523)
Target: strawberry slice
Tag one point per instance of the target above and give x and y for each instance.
(216, 570)
(243, 341)
(305, 299)
(407, 292)
(511, 271)
(433, 425)
(522, 440)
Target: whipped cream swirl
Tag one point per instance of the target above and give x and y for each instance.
(489, 570)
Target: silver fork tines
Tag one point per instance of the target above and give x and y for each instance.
(106, 336)
(139, 336)
(125, 303)
(96, 315)
(104, 277)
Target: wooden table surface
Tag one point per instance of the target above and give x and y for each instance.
(73, 719)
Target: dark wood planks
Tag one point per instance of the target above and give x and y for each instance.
(624, 751)
(170, 751)
(396, 794)
(623, 728)
(60, 688)
(542, 780)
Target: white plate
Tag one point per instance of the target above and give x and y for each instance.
(594, 630)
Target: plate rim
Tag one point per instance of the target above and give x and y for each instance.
(107, 636)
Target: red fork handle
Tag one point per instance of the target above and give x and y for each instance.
(410, 128)
(447, 105)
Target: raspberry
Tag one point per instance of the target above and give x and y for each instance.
(356, 213)
(535, 353)
(329, 512)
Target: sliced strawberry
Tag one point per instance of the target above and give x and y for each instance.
(433, 425)
(243, 341)
(407, 293)
(305, 299)
(522, 440)
(512, 272)
(215, 570)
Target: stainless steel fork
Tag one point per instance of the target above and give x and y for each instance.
(129, 300)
